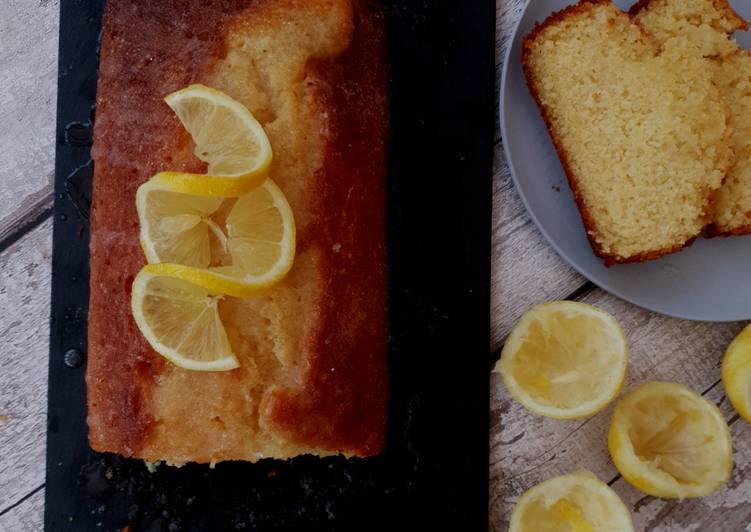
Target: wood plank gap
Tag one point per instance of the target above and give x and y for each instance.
(581, 292)
(709, 389)
(21, 500)
(32, 220)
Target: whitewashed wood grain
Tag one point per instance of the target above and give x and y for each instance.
(28, 95)
(525, 269)
(26, 517)
(527, 449)
(24, 329)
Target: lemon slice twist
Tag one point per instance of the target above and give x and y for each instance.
(176, 297)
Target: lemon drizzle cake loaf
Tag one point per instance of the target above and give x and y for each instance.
(641, 132)
(312, 351)
(704, 28)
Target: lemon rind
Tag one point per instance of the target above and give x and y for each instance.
(219, 283)
(736, 373)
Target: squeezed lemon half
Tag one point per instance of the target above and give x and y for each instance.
(577, 502)
(736, 373)
(564, 360)
(668, 441)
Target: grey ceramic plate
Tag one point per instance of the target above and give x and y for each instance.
(710, 280)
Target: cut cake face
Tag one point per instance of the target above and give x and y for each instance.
(641, 129)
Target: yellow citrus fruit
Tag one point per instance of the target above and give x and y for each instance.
(258, 233)
(668, 441)
(564, 360)
(227, 137)
(736, 373)
(181, 322)
(577, 502)
(175, 226)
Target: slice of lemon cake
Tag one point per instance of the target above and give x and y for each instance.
(704, 28)
(641, 131)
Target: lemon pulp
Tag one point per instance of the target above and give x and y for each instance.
(577, 502)
(668, 441)
(564, 359)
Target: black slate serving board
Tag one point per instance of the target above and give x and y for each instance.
(435, 471)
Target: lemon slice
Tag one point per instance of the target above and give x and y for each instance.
(227, 137)
(668, 441)
(564, 360)
(577, 502)
(260, 239)
(175, 226)
(736, 373)
(181, 322)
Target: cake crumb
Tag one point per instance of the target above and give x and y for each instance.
(151, 466)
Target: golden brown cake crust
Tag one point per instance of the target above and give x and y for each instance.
(150, 49)
(608, 258)
(721, 5)
(342, 403)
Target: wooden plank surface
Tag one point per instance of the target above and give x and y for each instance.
(24, 328)
(28, 516)
(525, 269)
(28, 95)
